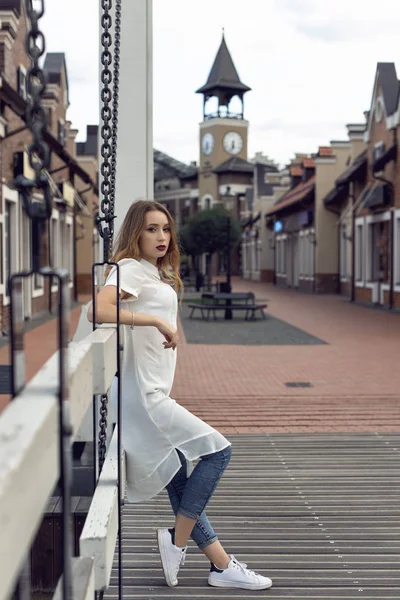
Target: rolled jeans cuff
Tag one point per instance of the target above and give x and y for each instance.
(207, 543)
(189, 515)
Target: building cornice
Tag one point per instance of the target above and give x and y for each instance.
(226, 122)
(325, 160)
(9, 22)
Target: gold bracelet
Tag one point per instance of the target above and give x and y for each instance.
(132, 326)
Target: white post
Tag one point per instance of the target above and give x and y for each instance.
(134, 180)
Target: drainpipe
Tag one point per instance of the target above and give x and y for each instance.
(74, 274)
(392, 233)
(314, 243)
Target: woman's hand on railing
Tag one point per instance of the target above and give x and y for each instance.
(169, 332)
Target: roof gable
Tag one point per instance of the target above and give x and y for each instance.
(387, 82)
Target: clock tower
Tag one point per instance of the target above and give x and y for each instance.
(223, 134)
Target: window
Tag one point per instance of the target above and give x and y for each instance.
(280, 256)
(377, 151)
(378, 242)
(9, 225)
(53, 243)
(69, 256)
(301, 255)
(61, 133)
(22, 83)
(306, 254)
(49, 116)
(359, 252)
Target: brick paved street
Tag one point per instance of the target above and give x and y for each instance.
(354, 376)
(241, 389)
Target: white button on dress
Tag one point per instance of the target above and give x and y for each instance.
(153, 424)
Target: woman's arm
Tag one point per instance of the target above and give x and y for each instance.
(106, 312)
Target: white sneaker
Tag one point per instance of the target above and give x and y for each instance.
(172, 557)
(236, 575)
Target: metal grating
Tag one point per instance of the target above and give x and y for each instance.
(5, 379)
(319, 514)
(298, 384)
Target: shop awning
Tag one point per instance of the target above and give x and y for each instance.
(377, 195)
(356, 170)
(380, 163)
(18, 106)
(337, 195)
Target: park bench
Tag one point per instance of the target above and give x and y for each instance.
(211, 302)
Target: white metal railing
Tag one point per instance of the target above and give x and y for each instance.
(29, 464)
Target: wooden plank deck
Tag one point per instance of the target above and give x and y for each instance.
(319, 514)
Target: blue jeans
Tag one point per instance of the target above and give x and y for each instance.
(189, 496)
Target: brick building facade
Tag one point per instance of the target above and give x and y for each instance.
(73, 187)
(366, 198)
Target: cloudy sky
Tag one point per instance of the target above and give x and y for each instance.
(310, 64)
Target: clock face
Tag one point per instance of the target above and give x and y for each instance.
(233, 142)
(207, 143)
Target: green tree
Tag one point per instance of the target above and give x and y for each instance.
(207, 231)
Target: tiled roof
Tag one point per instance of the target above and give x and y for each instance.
(235, 165)
(163, 161)
(300, 192)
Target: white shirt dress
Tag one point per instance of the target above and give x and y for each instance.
(153, 424)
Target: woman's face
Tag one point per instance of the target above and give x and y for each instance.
(155, 237)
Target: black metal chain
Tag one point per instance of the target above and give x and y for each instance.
(109, 157)
(109, 118)
(117, 45)
(103, 430)
(38, 151)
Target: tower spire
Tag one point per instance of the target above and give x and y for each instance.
(223, 80)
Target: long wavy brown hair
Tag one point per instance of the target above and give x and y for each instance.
(127, 242)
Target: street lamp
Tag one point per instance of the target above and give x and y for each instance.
(229, 202)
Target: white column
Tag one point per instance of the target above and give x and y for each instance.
(134, 180)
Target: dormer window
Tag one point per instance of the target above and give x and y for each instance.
(22, 82)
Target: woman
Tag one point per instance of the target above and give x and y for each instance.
(159, 436)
